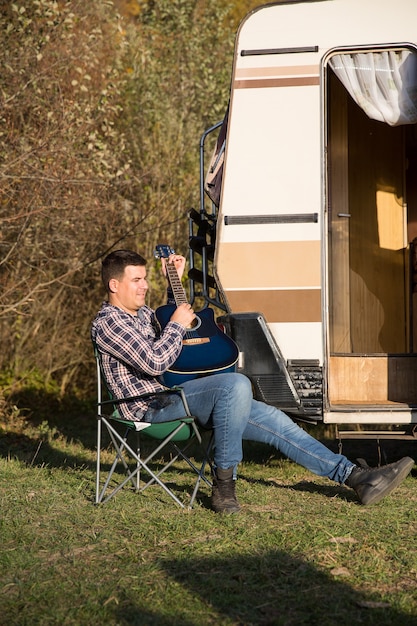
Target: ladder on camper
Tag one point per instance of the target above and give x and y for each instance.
(202, 240)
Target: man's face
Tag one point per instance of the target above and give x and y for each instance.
(129, 292)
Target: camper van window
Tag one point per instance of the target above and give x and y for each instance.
(383, 83)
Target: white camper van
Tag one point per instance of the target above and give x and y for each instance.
(308, 240)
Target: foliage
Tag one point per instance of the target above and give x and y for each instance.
(101, 115)
(178, 80)
(61, 161)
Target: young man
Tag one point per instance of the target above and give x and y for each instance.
(135, 352)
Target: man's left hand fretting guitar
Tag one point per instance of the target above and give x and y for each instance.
(206, 348)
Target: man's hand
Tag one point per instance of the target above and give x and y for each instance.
(183, 315)
(177, 260)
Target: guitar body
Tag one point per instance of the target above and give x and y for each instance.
(206, 348)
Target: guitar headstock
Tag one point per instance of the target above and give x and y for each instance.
(162, 251)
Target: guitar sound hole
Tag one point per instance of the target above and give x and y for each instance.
(196, 323)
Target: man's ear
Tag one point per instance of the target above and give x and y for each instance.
(113, 284)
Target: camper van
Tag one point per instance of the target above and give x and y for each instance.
(306, 235)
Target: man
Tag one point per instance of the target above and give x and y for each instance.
(135, 351)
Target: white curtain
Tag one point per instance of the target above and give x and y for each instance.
(383, 84)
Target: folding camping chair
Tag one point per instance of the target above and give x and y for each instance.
(176, 436)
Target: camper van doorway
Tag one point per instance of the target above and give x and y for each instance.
(372, 226)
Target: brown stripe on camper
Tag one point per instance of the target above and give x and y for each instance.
(299, 305)
(269, 265)
(293, 70)
(277, 82)
(293, 76)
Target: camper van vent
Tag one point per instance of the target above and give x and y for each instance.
(250, 53)
(307, 377)
(272, 389)
(288, 218)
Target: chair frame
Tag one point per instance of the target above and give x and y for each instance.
(182, 429)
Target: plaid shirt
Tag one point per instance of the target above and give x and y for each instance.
(134, 352)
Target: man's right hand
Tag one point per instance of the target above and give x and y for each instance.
(183, 315)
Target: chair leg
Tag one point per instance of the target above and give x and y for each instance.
(98, 460)
(138, 452)
(181, 453)
(121, 445)
(161, 446)
(119, 455)
(201, 473)
(140, 464)
(116, 440)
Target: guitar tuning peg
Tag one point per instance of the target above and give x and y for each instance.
(163, 251)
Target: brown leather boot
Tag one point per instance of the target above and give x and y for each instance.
(223, 497)
(374, 483)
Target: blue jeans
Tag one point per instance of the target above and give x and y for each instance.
(224, 403)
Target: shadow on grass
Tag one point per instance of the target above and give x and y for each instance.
(69, 414)
(272, 588)
(36, 451)
(329, 490)
(387, 451)
(41, 451)
(38, 420)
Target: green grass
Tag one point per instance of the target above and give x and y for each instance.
(302, 551)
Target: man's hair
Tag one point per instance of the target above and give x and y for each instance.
(113, 266)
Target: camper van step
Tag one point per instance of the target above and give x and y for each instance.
(377, 434)
(313, 405)
(303, 363)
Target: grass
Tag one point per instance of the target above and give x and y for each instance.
(302, 551)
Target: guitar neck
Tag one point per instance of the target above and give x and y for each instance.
(178, 290)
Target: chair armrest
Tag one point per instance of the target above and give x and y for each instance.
(149, 394)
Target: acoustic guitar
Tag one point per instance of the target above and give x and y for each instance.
(206, 348)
